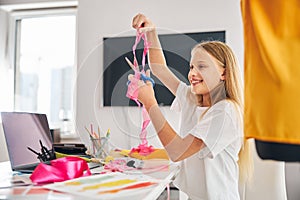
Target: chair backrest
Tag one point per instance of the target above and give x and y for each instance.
(268, 181)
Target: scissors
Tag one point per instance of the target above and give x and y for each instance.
(143, 77)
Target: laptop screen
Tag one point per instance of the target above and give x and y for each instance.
(23, 130)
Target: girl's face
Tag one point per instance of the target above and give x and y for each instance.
(205, 72)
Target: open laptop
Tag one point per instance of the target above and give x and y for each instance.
(23, 130)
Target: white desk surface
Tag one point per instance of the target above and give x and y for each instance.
(40, 193)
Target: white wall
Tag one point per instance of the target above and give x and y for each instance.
(98, 19)
(6, 79)
(3, 25)
(6, 69)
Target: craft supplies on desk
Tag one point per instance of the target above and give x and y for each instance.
(99, 148)
(45, 155)
(121, 161)
(132, 184)
(142, 191)
(61, 169)
(99, 145)
(107, 186)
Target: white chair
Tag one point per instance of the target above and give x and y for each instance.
(268, 181)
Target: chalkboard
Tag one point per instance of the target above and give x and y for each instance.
(176, 47)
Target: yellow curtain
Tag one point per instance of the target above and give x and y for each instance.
(272, 70)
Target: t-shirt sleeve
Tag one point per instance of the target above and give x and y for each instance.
(217, 129)
(180, 98)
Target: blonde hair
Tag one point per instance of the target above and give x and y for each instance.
(233, 92)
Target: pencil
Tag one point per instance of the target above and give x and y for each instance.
(87, 130)
(92, 132)
(99, 132)
(108, 133)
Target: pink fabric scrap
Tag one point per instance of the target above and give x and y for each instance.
(60, 169)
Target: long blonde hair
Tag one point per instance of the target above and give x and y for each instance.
(234, 93)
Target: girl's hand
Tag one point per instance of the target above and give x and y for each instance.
(142, 23)
(145, 91)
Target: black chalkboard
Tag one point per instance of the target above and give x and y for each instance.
(177, 48)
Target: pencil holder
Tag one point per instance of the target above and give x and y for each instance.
(99, 147)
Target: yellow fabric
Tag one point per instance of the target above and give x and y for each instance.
(156, 154)
(272, 70)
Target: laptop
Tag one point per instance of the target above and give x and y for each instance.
(23, 130)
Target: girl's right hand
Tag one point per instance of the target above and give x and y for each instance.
(142, 23)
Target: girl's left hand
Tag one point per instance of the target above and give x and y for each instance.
(145, 91)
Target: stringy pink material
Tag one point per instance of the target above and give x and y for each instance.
(117, 166)
(132, 93)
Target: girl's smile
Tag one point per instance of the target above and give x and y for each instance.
(195, 81)
(205, 72)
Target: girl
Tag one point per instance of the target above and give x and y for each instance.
(210, 142)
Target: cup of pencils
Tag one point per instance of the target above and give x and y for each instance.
(99, 145)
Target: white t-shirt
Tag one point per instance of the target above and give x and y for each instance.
(213, 172)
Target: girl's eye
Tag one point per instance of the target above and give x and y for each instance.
(198, 67)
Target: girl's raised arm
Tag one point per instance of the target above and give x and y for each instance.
(156, 58)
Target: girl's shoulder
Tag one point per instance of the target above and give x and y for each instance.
(224, 104)
(230, 109)
(227, 106)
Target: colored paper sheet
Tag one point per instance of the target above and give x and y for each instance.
(106, 186)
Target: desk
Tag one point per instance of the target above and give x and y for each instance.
(37, 192)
